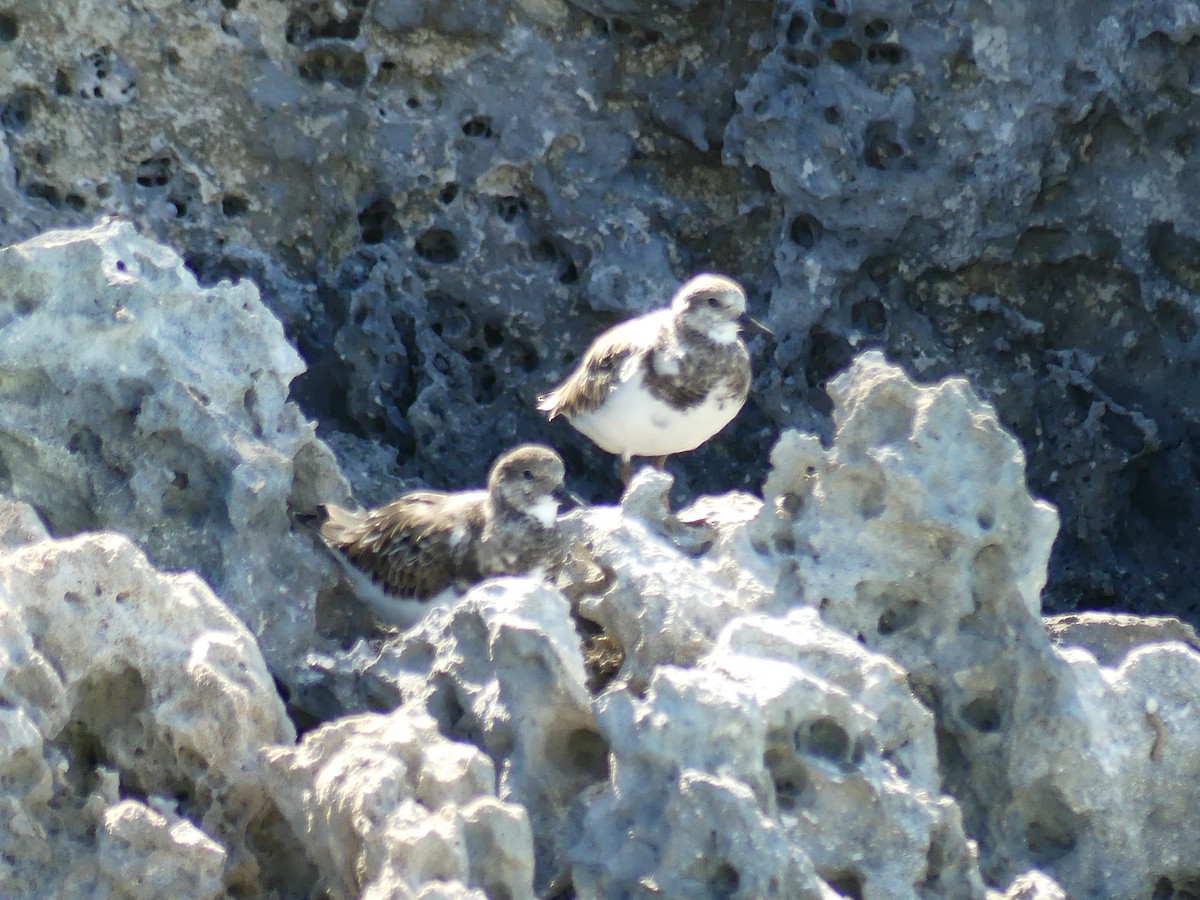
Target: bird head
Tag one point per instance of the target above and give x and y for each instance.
(712, 305)
(526, 479)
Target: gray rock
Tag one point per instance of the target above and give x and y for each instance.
(444, 202)
(1110, 636)
(134, 400)
(134, 707)
(914, 532)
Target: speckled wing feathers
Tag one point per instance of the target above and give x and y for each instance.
(412, 547)
(601, 370)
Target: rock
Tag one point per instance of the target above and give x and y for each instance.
(932, 180)
(914, 532)
(171, 422)
(1110, 636)
(135, 705)
(387, 806)
(503, 670)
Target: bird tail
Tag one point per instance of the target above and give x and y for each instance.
(548, 403)
(341, 525)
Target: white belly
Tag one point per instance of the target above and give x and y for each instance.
(632, 422)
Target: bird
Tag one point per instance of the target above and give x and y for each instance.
(404, 554)
(664, 382)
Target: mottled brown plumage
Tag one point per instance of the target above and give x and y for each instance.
(426, 541)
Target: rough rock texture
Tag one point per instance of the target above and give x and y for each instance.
(851, 677)
(134, 706)
(387, 806)
(131, 399)
(443, 202)
(913, 532)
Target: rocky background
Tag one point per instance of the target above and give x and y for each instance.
(443, 202)
(428, 210)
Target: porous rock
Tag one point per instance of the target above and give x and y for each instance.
(135, 704)
(936, 180)
(914, 533)
(133, 399)
(503, 670)
(388, 807)
(785, 728)
(1111, 636)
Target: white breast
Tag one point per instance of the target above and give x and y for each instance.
(632, 422)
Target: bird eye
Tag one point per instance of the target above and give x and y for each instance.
(527, 474)
(713, 302)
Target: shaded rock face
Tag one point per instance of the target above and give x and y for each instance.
(443, 203)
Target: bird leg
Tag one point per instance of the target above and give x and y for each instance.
(626, 470)
(659, 462)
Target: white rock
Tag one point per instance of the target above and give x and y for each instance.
(387, 807)
(135, 400)
(119, 682)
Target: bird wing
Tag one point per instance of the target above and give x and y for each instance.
(415, 546)
(609, 361)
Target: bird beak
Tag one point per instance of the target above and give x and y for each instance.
(746, 323)
(568, 499)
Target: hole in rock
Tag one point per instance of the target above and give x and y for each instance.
(724, 880)
(544, 251)
(510, 208)
(876, 29)
(493, 334)
(869, 315)
(796, 27)
(805, 231)
(833, 115)
(885, 54)
(806, 59)
(437, 245)
(478, 127)
(9, 28)
(898, 617)
(846, 882)
(788, 775)
(485, 385)
(43, 191)
(829, 19)
(587, 754)
(880, 148)
(824, 738)
(448, 193)
(154, 172)
(327, 65)
(845, 52)
(983, 713)
(376, 223)
(17, 112)
(1177, 888)
(1053, 825)
(234, 205)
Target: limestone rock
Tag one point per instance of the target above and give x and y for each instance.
(914, 532)
(135, 704)
(132, 399)
(387, 807)
(1111, 636)
(503, 670)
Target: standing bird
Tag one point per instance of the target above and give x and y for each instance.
(666, 381)
(404, 553)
